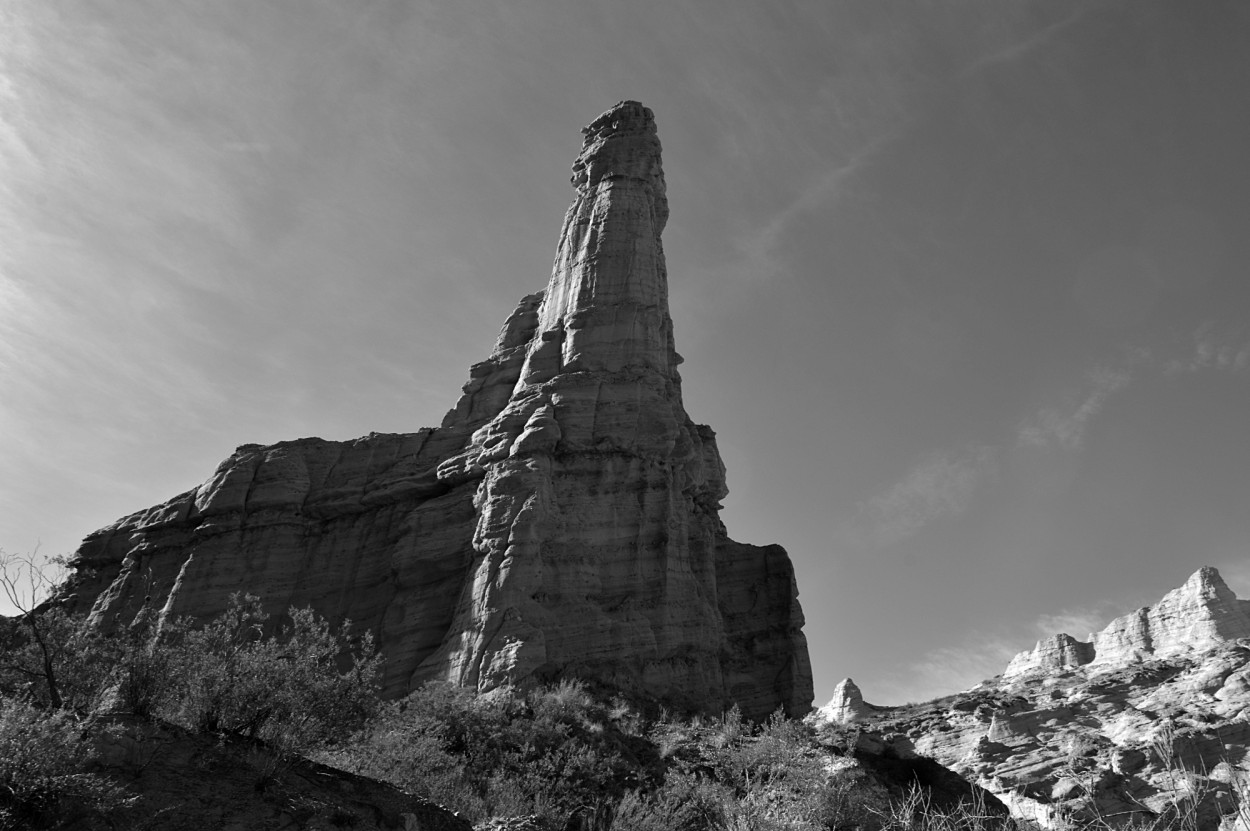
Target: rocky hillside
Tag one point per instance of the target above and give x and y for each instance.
(1146, 719)
(169, 779)
(562, 521)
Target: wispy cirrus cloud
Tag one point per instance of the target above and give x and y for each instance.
(1213, 348)
(1078, 622)
(942, 485)
(1063, 425)
(945, 483)
(883, 89)
(980, 655)
(1033, 40)
(948, 669)
(823, 189)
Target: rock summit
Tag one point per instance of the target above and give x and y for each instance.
(561, 522)
(845, 707)
(1199, 616)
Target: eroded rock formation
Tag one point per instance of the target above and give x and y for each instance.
(1148, 718)
(1198, 616)
(845, 706)
(563, 520)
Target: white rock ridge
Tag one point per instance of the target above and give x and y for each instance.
(1201, 614)
(1151, 713)
(563, 520)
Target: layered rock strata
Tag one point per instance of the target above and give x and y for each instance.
(1149, 719)
(1201, 614)
(563, 520)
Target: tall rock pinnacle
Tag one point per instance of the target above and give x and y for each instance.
(563, 520)
(608, 293)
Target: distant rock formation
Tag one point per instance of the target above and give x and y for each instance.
(1052, 653)
(1198, 616)
(846, 706)
(1150, 714)
(563, 520)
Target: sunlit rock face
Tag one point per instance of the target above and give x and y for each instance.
(563, 520)
(1199, 615)
(845, 706)
(1149, 717)
(1053, 653)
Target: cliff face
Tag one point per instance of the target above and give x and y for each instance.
(563, 520)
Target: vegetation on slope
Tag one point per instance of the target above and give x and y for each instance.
(556, 758)
(567, 759)
(291, 692)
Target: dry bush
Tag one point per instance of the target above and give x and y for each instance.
(286, 689)
(42, 755)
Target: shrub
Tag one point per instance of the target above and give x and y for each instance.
(286, 689)
(144, 676)
(916, 812)
(553, 752)
(301, 688)
(54, 660)
(41, 758)
(685, 802)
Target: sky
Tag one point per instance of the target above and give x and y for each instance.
(961, 285)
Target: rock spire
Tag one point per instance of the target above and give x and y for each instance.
(562, 521)
(845, 707)
(608, 294)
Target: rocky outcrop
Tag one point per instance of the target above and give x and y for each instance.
(1054, 653)
(846, 706)
(563, 519)
(1149, 719)
(1200, 615)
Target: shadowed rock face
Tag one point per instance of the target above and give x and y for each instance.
(563, 520)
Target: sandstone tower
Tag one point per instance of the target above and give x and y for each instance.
(562, 521)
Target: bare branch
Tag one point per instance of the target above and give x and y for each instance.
(28, 579)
